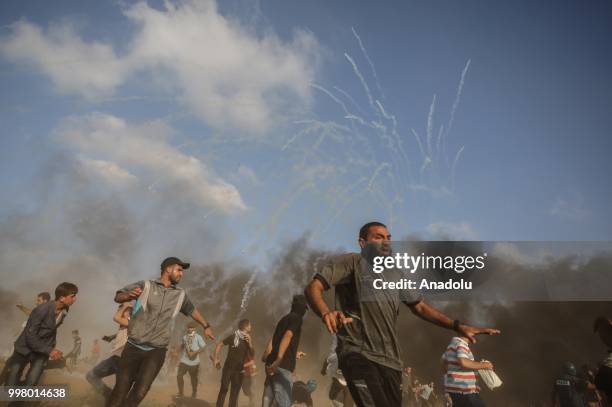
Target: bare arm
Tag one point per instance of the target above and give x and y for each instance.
(331, 319)
(24, 309)
(470, 364)
(431, 314)
(126, 296)
(121, 317)
(282, 348)
(267, 351)
(208, 332)
(218, 351)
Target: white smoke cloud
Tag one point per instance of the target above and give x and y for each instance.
(115, 150)
(225, 74)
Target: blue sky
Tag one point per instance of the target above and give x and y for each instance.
(205, 129)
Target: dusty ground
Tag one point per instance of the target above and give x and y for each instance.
(163, 390)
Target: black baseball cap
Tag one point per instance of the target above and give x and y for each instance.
(170, 261)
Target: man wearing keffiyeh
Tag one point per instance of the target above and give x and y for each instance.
(240, 345)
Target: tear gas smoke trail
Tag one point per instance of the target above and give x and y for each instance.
(418, 139)
(375, 174)
(455, 105)
(455, 161)
(332, 96)
(367, 57)
(426, 164)
(362, 80)
(430, 117)
(439, 143)
(398, 139)
(350, 98)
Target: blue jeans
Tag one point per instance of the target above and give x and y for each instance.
(107, 367)
(278, 388)
(37, 361)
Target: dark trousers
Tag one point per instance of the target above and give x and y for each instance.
(137, 367)
(371, 384)
(229, 377)
(467, 400)
(193, 375)
(18, 362)
(107, 367)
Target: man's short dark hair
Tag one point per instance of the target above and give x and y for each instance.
(363, 232)
(45, 296)
(243, 324)
(76, 331)
(65, 289)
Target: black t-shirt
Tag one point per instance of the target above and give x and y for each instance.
(235, 354)
(290, 322)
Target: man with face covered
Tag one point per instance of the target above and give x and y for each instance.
(365, 321)
(280, 355)
(157, 303)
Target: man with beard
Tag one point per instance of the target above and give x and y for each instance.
(158, 303)
(281, 353)
(365, 322)
(240, 346)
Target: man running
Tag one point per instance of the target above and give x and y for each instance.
(192, 346)
(368, 346)
(281, 354)
(36, 344)
(110, 365)
(240, 346)
(158, 302)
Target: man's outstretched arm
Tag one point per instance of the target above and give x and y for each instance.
(431, 314)
(208, 332)
(331, 319)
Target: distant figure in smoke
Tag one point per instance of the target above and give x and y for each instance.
(192, 345)
(603, 379)
(157, 304)
(95, 352)
(240, 346)
(36, 344)
(110, 365)
(368, 346)
(569, 389)
(41, 298)
(301, 392)
(460, 376)
(339, 393)
(74, 354)
(408, 399)
(281, 353)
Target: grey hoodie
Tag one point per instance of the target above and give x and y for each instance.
(153, 314)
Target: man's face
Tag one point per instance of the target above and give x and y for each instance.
(175, 273)
(191, 331)
(379, 239)
(68, 300)
(247, 328)
(40, 300)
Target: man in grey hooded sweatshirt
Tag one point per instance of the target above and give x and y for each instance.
(157, 303)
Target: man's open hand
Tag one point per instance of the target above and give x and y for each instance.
(334, 319)
(470, 332)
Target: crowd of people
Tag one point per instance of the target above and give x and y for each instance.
(364, 365)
